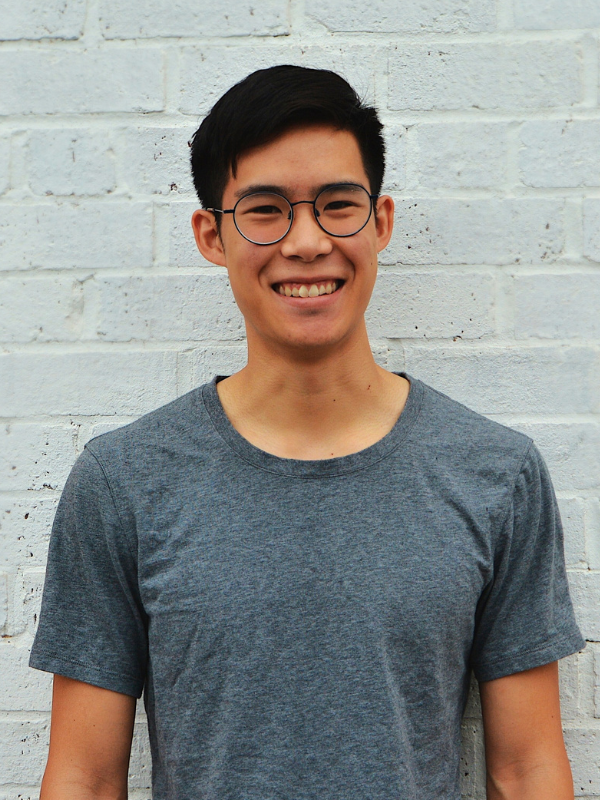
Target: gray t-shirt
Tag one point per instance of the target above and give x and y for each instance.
(305, 630)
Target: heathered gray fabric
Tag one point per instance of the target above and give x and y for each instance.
(305, 630)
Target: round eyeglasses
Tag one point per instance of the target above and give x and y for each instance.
(266, 217)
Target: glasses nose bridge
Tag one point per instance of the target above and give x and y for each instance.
(312, 203)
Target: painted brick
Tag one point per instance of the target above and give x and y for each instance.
(207, 72)
(182, 246)
(4, 164)
(30, 589)
(178, 18)
(572, 512)
(554, 14)
(478, 231)
(443, 16)
(41, 309)
(98, 428)
(70, 161)
(449, 76)
(592, 533)
(89, 234)
(586, 681)
(24, 689)
(140, 766)
(23, 750)
(585, 592)
(557, 306)
(473, 706)
(51, 81)
(472, 760)
(431, 304)
(569, 687)
(461, 155)
(30, 19)
(3, 600)
(86, 382)
(571, 451)
(595, 648)
(182, 307)
(556, 153)
(583, 747)
(591, 229)
(210, 361)
(25, 524)
(511, 380)
(157, 160)
(395, 156)
(35, 456)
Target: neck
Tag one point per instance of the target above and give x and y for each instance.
(313, 405)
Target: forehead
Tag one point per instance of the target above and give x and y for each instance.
(300, 160)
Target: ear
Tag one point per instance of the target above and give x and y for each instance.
(207, 237)
(384, 221)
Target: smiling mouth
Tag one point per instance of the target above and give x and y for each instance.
(307, 289)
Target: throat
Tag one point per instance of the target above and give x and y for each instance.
(330, 425)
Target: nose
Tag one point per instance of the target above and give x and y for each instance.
(305, 240)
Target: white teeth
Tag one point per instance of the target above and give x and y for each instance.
(304, 290)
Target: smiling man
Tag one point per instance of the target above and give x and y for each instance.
(301, 564)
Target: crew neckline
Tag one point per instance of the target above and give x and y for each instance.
(318, 468)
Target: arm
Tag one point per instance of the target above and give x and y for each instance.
(90, 743)
(524, 748)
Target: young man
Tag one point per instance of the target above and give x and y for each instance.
(300, 564)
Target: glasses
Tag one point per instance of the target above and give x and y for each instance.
(266, 217)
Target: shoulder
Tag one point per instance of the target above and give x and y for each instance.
(464, 442)
(143, 446)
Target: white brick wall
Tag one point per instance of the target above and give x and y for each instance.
(490, 289)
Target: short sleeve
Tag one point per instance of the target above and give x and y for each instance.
(525, 616)
(92, 625)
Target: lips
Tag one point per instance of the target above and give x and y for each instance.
(316, 289)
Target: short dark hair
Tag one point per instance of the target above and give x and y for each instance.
(267, 103)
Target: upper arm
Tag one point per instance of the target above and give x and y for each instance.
(90, 742)
(523, 732)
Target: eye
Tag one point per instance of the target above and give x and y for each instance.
(264, 210)
(338, 205)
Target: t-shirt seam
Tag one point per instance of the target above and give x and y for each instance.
(486, 665)
(130, 547)
(42, 653)
(513, 485)
(111, 492)
(349, 471)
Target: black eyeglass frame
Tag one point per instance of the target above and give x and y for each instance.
(313, 203)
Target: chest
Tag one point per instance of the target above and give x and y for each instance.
(248, 554)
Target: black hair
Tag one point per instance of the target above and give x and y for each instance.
(267, 103)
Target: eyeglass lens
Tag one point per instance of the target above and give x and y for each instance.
(265, 218)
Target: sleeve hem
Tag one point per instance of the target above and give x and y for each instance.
(96, 676)
(552, 651)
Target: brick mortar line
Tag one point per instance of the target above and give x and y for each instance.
(171, 118)
(492, 343)
(559, 267)
(303, 38)
(24, 197)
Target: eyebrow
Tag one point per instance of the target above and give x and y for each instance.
(285, 191)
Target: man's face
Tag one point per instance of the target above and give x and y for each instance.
(266, 278)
